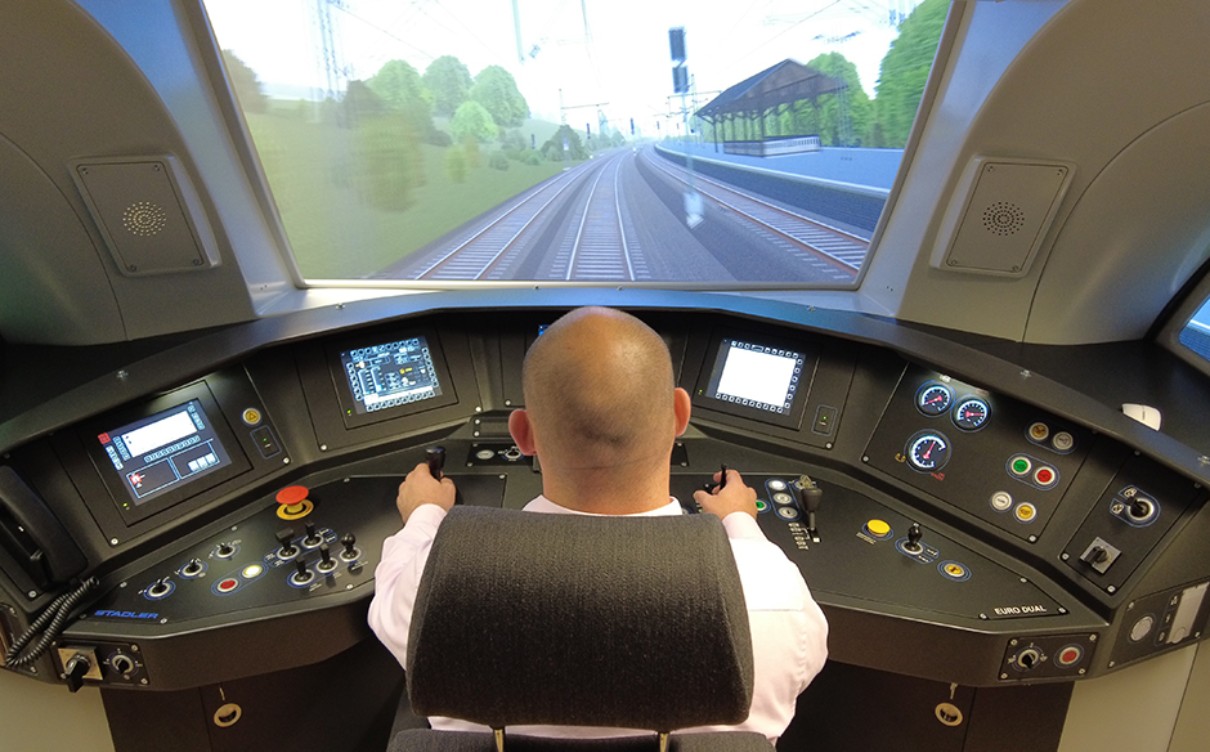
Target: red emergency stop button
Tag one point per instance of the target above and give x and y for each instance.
(293, 503)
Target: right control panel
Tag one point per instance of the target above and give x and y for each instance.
(1002, 461)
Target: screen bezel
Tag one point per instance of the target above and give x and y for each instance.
(344, 393)
(132, 513)
(711, 372)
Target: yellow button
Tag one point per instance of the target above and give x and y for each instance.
(954, 570)
(1026, 512)
(251, 416)
(878, 528)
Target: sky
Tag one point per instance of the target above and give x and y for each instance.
(572, 58)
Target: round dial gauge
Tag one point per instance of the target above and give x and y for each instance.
(971, 413)
(934, 399)
(928, 452)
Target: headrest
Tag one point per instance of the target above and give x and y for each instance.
(529, 618)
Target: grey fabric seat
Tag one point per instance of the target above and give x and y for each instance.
(525, 618)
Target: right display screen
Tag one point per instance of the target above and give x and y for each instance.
(756, 380)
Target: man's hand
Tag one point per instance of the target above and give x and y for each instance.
(734, 497)
(420, 487)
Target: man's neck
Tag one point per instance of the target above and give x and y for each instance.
(606, 491)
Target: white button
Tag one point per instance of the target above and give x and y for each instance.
(1002, 501)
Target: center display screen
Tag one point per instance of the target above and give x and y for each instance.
(164, 451)
(757, 380)
(390, 374)
(763, 378)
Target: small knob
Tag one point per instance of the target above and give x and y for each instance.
(434, 457)
(914, 535)
(350, 552)
(300, 564)
(325, 555)
(75, 669)
(312, 538)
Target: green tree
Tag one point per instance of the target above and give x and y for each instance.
(449, 81)
(497, 91)
(843, 118)
(471, 120)
(399, 85)
(455, 164)
(904, 71)
(554, 151)
(247, 86)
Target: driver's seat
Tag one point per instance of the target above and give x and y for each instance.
(548, 619)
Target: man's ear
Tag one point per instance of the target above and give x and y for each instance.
(522, 432)
(681, 407)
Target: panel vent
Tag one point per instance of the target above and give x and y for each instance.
(1005, 209)
(148, 213)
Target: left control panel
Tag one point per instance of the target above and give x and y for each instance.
(304, 550)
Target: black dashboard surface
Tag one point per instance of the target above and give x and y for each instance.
(1034, 533)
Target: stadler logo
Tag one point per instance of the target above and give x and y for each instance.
(126, 614)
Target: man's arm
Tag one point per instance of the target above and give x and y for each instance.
(790, 633)
(422, 502)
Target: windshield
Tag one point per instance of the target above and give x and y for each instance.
(590, 142)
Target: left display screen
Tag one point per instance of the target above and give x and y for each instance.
(164, 452)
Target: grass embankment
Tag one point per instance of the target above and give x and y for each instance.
(336, 231)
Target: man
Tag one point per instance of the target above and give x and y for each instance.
(602, 413)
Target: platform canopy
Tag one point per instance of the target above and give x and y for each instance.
(780, 85)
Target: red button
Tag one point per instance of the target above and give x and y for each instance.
(291, 495)
(1070, 656)
(227, 585)
(1045, 476)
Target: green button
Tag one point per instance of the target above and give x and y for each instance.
(1020, 466)
(761, 505)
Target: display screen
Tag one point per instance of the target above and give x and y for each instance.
(391, 374)
(165, 451)
(756, 376)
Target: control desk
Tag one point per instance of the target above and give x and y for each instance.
(953, 529)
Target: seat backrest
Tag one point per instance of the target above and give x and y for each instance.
(528, 618)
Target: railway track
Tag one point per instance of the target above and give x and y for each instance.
(600, 251)
(483, 249)
(795, 233)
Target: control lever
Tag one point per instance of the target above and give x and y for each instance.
(313, 539)
(914, 535)
(710, 486)
(284, 537)
(326, 564)
(434, 457)
(810, 495)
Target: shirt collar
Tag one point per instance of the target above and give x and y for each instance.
(543, 504)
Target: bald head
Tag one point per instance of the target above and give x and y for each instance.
(599, 391)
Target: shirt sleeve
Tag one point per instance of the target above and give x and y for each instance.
(789, 630)
(397, 578)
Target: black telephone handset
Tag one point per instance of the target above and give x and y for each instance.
(33, 537)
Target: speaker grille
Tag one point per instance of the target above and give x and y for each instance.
(144, 218)
(1003, 218)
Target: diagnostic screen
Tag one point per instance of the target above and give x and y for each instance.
(164, 451)
(756, 376)
(391, 374)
